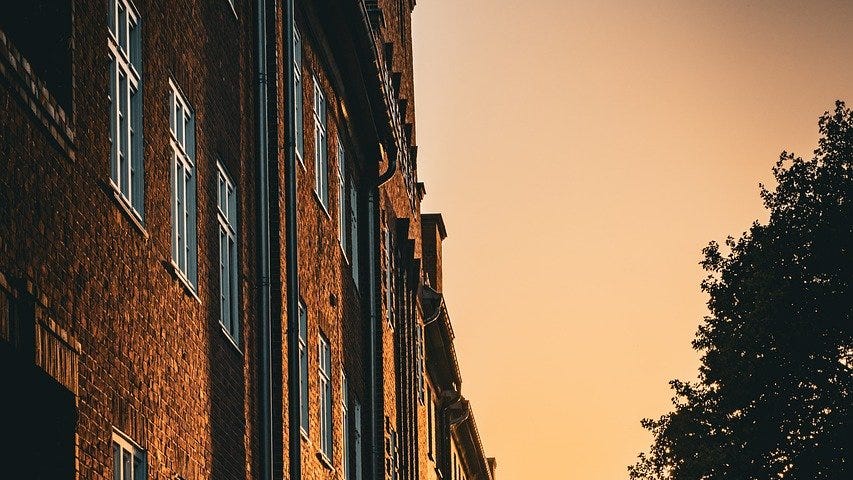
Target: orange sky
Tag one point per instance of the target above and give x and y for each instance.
(582, 154)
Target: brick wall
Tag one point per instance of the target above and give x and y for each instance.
(93, 307)
(151, 359)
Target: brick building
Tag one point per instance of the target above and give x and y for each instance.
(213, 262)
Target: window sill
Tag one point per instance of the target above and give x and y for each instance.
(322, 205)
(126, 209)
(230, 338)
(182, 279)
(343, 252)
(325, 461)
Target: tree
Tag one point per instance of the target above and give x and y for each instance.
(773, 395)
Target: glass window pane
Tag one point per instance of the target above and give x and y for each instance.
(122, 27)
(127, 465)
(116, 462)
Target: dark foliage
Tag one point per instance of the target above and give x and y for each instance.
(773, 399)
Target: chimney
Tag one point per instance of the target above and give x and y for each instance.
(432, 234)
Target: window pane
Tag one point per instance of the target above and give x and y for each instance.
(122, 27)
(138, 468)
(233, 302)
(122, 132)
(116, 462)
(113, 120)
(127, 465)
(300, 136)
(112, 15)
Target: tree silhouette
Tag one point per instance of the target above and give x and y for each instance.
(773, 398)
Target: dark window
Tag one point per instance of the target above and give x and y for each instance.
(37, 414)
(41, 31)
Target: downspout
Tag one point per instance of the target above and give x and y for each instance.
(373, 331)
(294, 407)
(265, 340)
(375, 328)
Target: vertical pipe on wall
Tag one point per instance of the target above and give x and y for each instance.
(291, 252)
(264, 312)
(374, 329)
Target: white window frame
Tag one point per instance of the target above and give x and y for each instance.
(125, 51)
(122, 448)
(324, 369)
(321, 146)
(345, 438)
(298, 99)
(226, 215)
(304, 422)
(184, 231)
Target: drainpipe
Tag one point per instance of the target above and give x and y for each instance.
(265, 320)
(294, 406)
(373, 342)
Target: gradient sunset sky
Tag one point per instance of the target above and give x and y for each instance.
(582, 154)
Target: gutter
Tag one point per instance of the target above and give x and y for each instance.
(387, 174)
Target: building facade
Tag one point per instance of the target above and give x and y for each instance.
(213, 262)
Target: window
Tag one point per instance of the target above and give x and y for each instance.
(182, 123)
(125, 98)
(343, 211)
(321, 154)
(226, 213)
(389, 278)
(325, 364)
(356, 411)
(431, 424)
(353, 223)
(345, 441)
(303, 367)
(128, 459)
(41, 32)
(419, 345)
(395, 456)
(297, 95)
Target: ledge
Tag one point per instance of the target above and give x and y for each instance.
(128, 211)
(182, 279)
(325, 461)
(230, 339)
